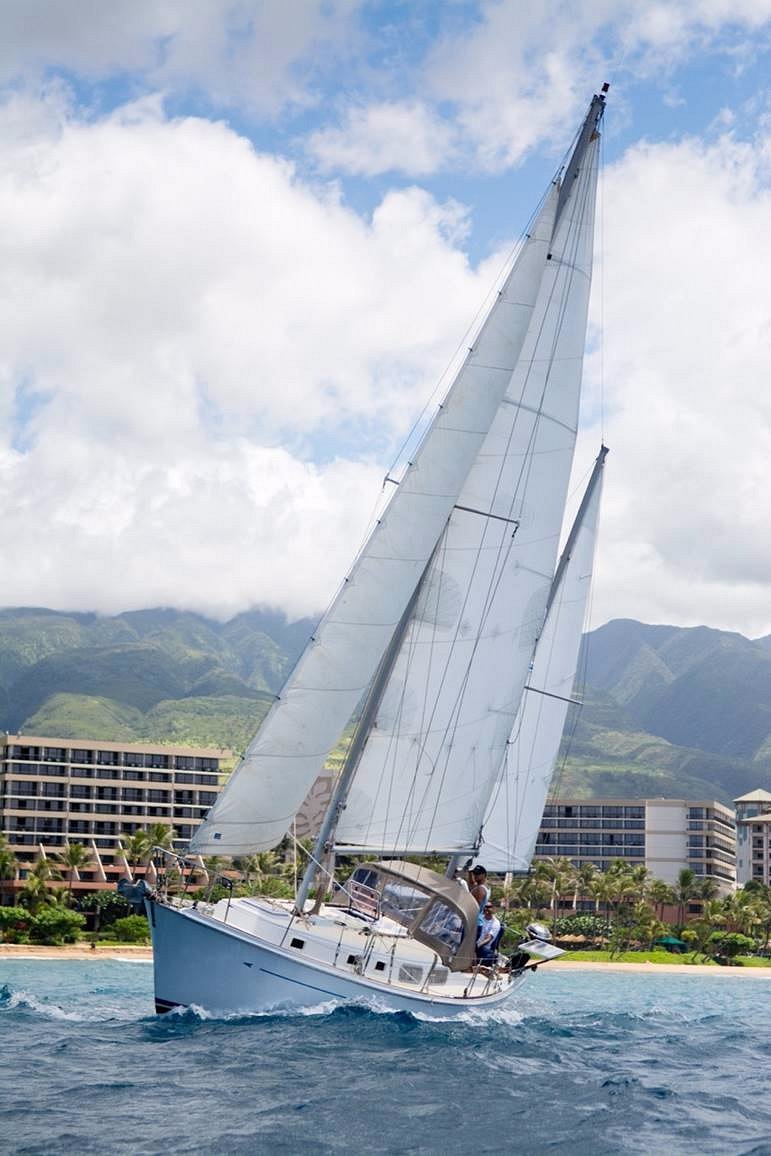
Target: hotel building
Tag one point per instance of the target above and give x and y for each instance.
(753, 837)
(664, 835)
(59, 791)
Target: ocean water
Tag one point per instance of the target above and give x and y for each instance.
(588, 1062)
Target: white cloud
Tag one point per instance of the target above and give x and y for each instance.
(259, 54)
(174, 306)
(687, 247)
(387, 137)
(521, 73)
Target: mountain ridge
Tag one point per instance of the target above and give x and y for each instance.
(667, 710)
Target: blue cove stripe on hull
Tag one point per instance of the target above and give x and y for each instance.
(299, 982)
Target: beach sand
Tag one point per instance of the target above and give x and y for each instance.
(73, 951)
(665, 968)
(106, 951)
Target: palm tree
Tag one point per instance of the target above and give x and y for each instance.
(699, 930)
(661, 895)
(37, 890)
(640, 876)
(686, 889)
(161, 835)
(645, 926)
(560, 875)
(532, 891)
(585, 876)
(745, 911)
(137, 847)
(75, 857)
(9, 867)
(250, 866)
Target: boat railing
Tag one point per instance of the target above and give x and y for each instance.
(363, 899)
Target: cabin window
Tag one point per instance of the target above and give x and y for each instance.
(380, 966)
(297, 942)
(402, 902)
(365, 876)
(409, 973)
(445, 924)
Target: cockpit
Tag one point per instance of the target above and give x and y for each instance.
(433, 909)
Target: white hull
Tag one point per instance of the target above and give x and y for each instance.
(200, 960)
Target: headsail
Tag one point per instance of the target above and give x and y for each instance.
(511, 827)
(280, 765)
(435, 753)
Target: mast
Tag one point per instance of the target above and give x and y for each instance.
(586, 134)
(340, 794)
(514, 813)
(574, 529)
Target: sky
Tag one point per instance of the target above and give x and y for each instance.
(241, 241)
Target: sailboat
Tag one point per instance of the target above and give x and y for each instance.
(453, 641)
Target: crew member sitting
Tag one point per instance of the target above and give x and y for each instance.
(488, 935)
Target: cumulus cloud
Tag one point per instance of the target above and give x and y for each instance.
(520, 73)
(258, 54)
(386, 137)
(687, 356)
(176, 306)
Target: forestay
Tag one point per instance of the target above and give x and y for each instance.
(281, 763)
(512, 825)
(436, 751)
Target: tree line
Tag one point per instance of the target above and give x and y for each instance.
(625, 907)
(620, 908)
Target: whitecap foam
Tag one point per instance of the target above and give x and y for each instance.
(25, 1001)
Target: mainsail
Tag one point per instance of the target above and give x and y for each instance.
(256, 808)
(473, 528)
(435, 753)
(514, 818)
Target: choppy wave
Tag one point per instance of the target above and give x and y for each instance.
(26, 1002)
(591, 1063)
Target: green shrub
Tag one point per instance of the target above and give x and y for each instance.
(106, 907)
(14, 921)
(131, 929)
(729, 944)
(587, 924)
(56, 925)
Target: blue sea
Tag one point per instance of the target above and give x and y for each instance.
(589, 1062)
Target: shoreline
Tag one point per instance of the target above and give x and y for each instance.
(79, 951)
(83, 953)
(648, 968)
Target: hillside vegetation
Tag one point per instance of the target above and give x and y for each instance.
(667, 711)
(161, 675)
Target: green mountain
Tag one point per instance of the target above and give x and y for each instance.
(667, 711)
(670, 711)
(165, 675)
